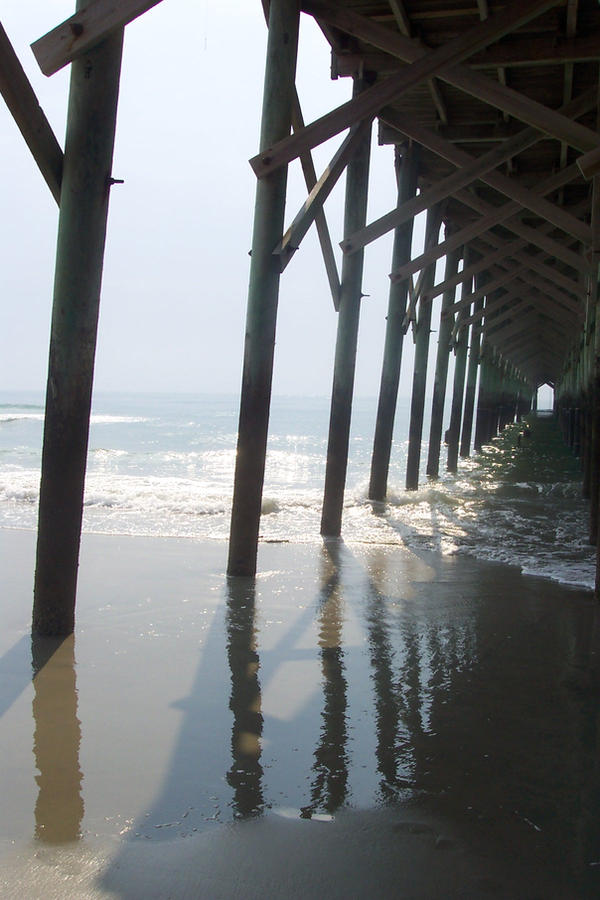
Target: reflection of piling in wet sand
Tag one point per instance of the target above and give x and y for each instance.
(330, 768)
(56, 740)
(245, 774)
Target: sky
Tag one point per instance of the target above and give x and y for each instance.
(180, 227)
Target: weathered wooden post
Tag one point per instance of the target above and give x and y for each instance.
(458, 389)
(467, 426)
(406, 161)
(441, 366)
(263, 292)
(355, 214)
(423, 332)
(86, 182)
(484, 399)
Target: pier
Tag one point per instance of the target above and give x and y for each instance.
(378, 718)
(492, 111)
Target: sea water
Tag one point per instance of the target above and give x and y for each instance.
(163, 465)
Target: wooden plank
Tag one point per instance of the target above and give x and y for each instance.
(463, 77)
(22, 102)
(320, 192)
(370, 101)
(84, 29)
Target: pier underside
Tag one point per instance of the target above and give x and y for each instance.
(493, 112)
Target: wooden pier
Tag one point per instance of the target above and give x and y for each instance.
(493, 112)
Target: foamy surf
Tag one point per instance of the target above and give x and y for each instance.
(164, 466)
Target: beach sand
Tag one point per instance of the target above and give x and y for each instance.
(359, 721)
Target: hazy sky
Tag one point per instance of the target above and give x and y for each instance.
(176, 266)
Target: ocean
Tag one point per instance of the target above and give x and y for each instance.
(162, 465)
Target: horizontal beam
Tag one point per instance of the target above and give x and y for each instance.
(534, 263)
(521, 50)
(83, 30)
(464, 77)
(22, 102)
(369, 102)
(507, 214)
(470, 170)
(511, 188)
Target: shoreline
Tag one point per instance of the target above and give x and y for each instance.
(353, 704)
(318, 541)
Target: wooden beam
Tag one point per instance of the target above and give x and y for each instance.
(469, 169)
(525, 197)
(463, 77)
(545, 305)
(22, 102)
(521, 51)
(540, 236)
(496, 311)
(503, 277)
(401, 16)
(310, 179)
(489, 259)
(502, 306)
(532, 262)
(84, 29)
(494, 216)
(403, 22)
(369, 102)
(539, 50)
(320, 192)
(589, 164)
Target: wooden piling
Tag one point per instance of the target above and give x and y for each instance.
(482, 398)
(263, 292)
(467, 426)
(406, 161)
(423, 331)
(441, 368)
(85, 192)
(355, 215)
(458, 388)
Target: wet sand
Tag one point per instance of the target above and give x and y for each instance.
(360, 721)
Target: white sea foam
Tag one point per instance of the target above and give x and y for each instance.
(21, 417)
